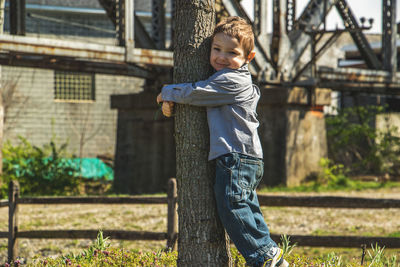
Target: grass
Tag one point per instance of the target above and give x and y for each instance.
(317, 187)
(348, 255)
(394, 234)
(322, 232)
(100, 253)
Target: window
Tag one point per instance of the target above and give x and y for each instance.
(73, 86)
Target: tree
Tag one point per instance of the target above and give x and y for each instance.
(2, 3)
(202, 240)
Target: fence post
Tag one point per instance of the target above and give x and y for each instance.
(172, 232)
(13, 195)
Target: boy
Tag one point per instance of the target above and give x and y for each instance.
(231, 100)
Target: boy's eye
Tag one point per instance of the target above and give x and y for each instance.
(216, 48)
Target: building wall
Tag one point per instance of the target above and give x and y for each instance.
(36, 116)
(89, 127)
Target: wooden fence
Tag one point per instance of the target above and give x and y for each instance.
(171, 235)
(14, 201)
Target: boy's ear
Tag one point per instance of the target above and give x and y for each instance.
(251, 56)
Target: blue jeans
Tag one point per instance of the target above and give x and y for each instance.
(237, 177)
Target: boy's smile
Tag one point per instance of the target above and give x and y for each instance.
(227, 52)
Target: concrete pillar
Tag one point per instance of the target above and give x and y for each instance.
(292, 133)
(145, 147)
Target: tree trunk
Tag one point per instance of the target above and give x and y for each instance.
(2, 3)
(202, 240)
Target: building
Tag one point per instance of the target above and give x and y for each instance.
(70, 107)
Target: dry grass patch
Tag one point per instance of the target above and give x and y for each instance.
(281, 220)
(56, 217)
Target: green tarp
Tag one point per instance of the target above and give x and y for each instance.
(91, 168)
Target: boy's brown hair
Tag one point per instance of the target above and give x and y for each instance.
(238, 28)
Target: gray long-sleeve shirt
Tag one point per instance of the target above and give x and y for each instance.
(231, 99)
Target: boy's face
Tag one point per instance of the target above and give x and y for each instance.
(227, 52)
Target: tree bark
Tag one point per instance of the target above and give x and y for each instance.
(2, 3)
(202, 240)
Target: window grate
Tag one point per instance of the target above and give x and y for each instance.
(73, 86)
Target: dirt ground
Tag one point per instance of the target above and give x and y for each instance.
(291, 221)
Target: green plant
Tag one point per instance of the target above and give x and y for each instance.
(333, 260)
(101, 243)
(355, 142)
(39, 171)
(333, 175)
(377, 255)
(285, 245)
(101, 254)
(392, 261)
(237, 258)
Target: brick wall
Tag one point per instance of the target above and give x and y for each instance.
(35, 115)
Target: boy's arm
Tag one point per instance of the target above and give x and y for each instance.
(216, 91)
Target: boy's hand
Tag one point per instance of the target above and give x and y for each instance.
(167, 108)
(159, 98)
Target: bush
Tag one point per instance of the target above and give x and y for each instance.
(355, 143)
(39, 171)
(332, 177)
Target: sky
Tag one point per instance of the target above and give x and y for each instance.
(360, 8)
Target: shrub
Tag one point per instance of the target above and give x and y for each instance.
(39, 171)
(355, 142)
(333, 175)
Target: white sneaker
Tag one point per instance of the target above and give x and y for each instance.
(277, 260)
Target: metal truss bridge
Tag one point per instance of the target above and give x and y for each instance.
(277, 60)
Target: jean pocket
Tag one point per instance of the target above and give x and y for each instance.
(227, 161)
(250, 173)
(246, 179)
